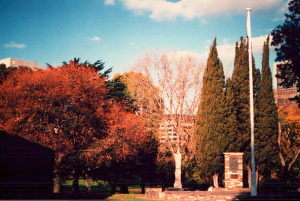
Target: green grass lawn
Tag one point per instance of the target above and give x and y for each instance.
(97, 186)
(134, 191)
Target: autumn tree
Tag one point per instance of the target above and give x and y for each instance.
(5, 72)
(178, 80)
(147, 104)
(286, 39)
(289, 139)
(210, 120)
(146, 98)
(74, 162)
(118, 94)
(60, 108)
(98, 66)
(126, 136)
(122, 128)
(116, 89)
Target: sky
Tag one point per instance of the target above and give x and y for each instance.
(118, 32)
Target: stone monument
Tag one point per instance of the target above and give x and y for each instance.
(233, 169)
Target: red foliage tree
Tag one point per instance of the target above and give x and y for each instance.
(65, 109)
(126, 134)
(114, 158)
(60, 108)
(289, 139)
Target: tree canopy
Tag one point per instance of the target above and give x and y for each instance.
(240, 86)
(266, 131)
(66, 109)
(289, 141)
(60, 108)
(286, 39)
(177, 78)
(210, 119)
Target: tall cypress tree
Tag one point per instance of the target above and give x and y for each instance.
(267, 119)
(231, 121)
(210, 120)
(240, 82)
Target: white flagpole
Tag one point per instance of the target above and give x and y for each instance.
(253, 172)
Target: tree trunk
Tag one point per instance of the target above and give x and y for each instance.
(279, 139)
(124, 188)
(284, 174)
(249, 175)
(293, 160)
(257, 177)
(143, 186)
(113, 188)
(75, 185)
(177, 157)
(88, 183)
(215, 180)
(56, 178)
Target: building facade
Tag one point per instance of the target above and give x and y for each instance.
(168, 128)
(282, 95)
(12, 62)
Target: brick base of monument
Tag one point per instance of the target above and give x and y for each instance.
(233, 170)
(154, 193)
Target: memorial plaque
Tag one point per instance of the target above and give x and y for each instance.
(234, 176)
(233, 163)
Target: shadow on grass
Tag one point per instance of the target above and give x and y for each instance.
(96, 193)
(56, 196)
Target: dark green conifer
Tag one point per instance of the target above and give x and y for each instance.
(210, 119)
(231, 122)
(267, 118)
(240, 82)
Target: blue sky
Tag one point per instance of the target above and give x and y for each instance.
(120, 31)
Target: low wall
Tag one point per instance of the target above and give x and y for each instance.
(215, 195)
(154, 193)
